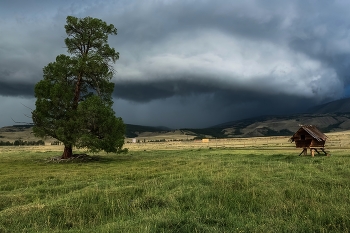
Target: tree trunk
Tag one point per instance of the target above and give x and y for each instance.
(77, 92)
(67, 153)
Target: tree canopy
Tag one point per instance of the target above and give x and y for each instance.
(74, 98)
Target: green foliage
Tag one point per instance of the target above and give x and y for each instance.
(7, 143)
(99, 119)
(74, 103)
(217, 190)
(22, 143)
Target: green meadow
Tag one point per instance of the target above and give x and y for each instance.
(191, 190)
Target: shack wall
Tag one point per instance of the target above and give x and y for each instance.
(303, 140)
(315, 143)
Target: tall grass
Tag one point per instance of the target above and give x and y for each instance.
(205, 190)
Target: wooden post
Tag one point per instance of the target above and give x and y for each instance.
(312, 152)
(304, 151)
(324, 152)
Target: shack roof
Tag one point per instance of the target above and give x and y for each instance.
(313, 131)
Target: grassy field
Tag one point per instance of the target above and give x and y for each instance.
(245, 185)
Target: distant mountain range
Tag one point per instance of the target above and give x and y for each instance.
(284, 125)
(330, 117)
(337, 106)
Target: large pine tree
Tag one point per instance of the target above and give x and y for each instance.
(74, 98)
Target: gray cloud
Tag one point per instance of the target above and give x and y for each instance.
(16, 89)
(216, 61)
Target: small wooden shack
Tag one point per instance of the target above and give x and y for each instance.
(308, 136)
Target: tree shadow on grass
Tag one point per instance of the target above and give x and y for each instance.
(95, 158)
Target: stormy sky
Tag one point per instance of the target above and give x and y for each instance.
(188, 63)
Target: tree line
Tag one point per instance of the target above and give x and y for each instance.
(23, 143)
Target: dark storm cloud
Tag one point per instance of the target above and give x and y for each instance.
(216, 60)
(209, 109)
(148, 91)
(144, 92)
(229, 97)
(247, 44)
(16, 89)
